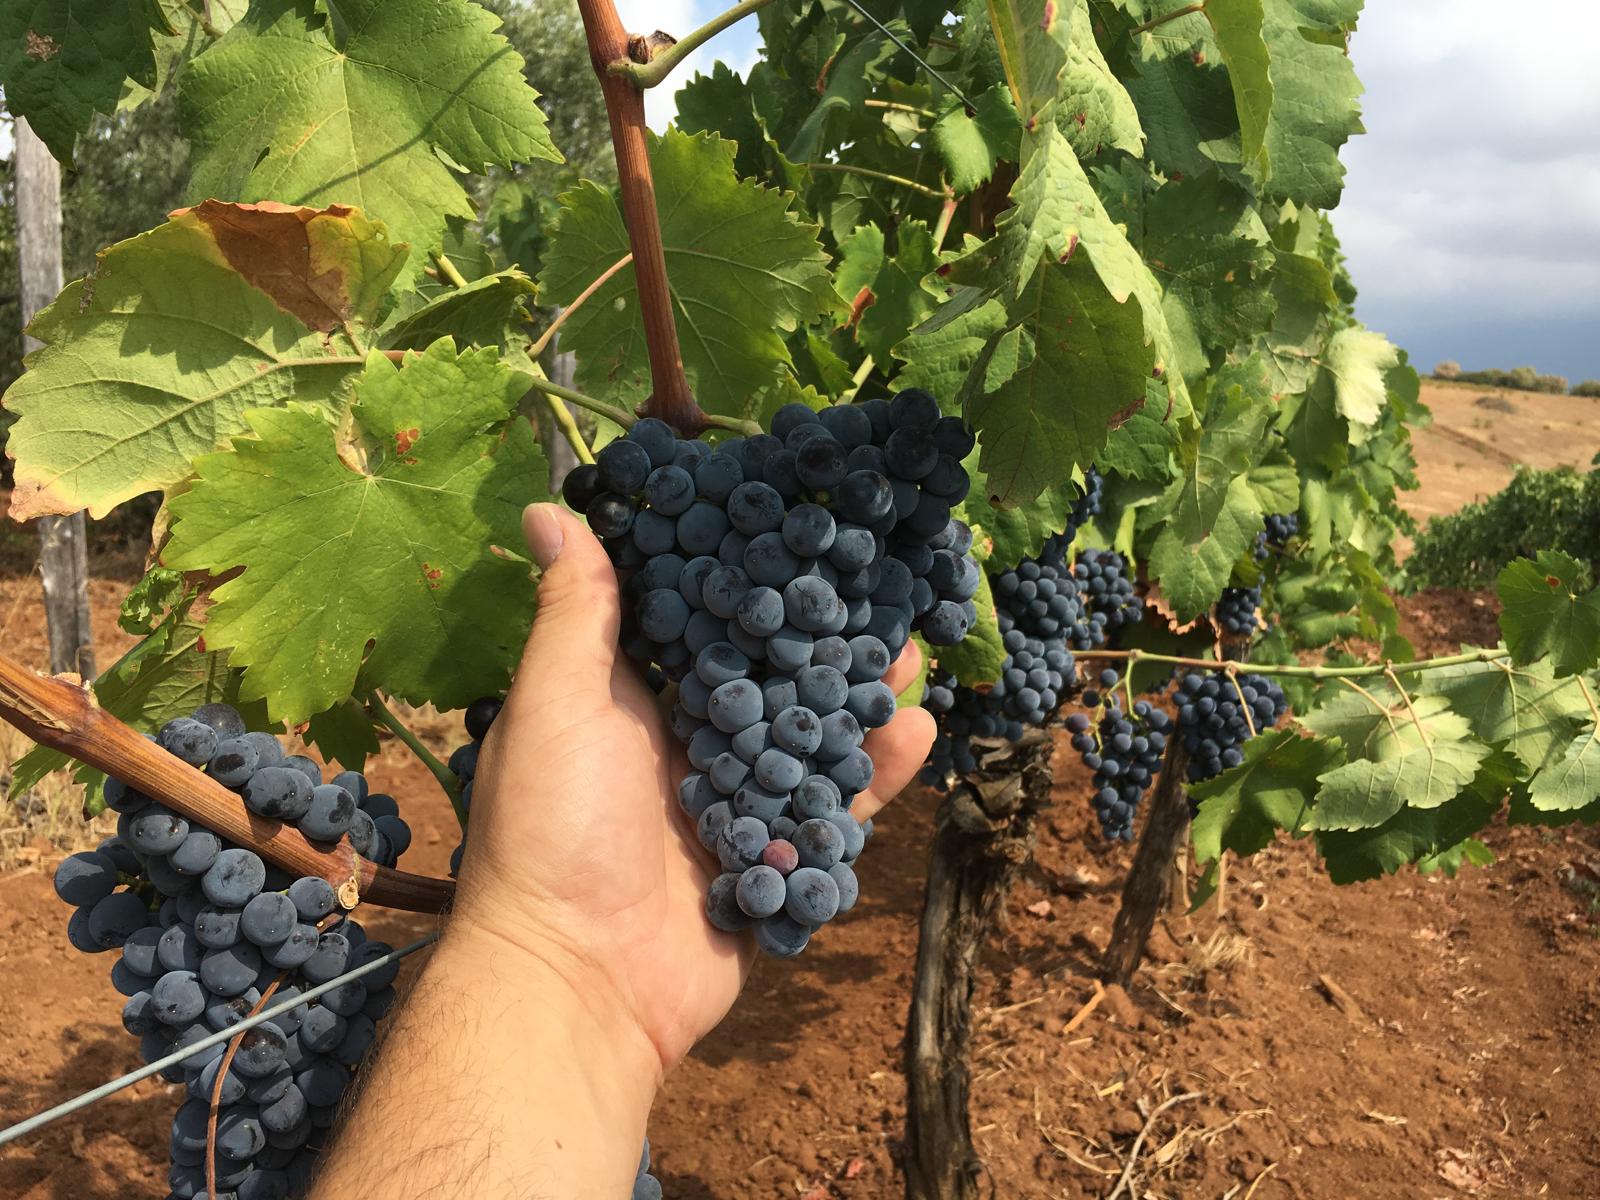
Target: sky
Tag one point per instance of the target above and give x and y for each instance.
(1471, 212)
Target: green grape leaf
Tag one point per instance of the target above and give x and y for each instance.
(1095, 111)
(1141, 447)
(168, 674)
(840, 93)
(1357, 361)
(941, 353)
(1243, 808)
(1572, 781)
(484, 313)
(1238, 25)
(722, 103)
(911, 696)
(1209, 248)
(1082, 367)
(971, 145)
(888, 294)
(1017, 531)
(1033, 43)
(1541, 612)
(1450, 861)
(367, 107)
(1210, 515)
(976, 660)
(153, 359)
(150, 600)
(1412, 835)
(735, 251)
(63, 61)
(1525, 709)
(366, 552)
(1419, 756)
(1314, 98)
(1303, 299)
(344, 734)
(1186, 106)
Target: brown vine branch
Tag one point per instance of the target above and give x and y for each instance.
(64, 717)
(670, 399)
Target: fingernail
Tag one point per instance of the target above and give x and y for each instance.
(541, 525)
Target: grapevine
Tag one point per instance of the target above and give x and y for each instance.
(1020, 335)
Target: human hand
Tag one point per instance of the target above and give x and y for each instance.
(579, 854)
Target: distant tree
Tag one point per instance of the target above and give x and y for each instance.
(1449, 369)
(1589, 387)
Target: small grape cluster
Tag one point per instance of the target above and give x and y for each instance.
(206, 928)
(1280, 528)
(1084, 509)
(775, 579)
(1218, 713)
(1237, 610)
(1125, 757)
(463, 762)
(1108, 593)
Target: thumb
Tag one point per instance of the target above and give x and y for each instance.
(574, 637)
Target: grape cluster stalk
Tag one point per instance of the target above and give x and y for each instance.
(209, 933)
(774, 580)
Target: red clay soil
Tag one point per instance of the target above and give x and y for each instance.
(1413, 1037)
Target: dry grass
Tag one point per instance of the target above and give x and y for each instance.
(45, 822)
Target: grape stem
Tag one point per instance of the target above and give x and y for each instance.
(562, 416)
(543, 341)
(1155, 22)
(447, 270)
(1212, 664)
(599, 407)
(882, 177)
(649, 74)
(63, 716)
(444, 775)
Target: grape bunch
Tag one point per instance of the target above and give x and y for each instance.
(463, 762)
(1087, 506)
(1125, 756)
(1107, 592)
(1280, 528)
(1213, 720)
(1237, 610)
(207, 929)
(775, 579)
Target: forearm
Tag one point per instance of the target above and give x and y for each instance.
(497, 1077)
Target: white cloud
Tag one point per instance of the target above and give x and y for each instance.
(1473, 200)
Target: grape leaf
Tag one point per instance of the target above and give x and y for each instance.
(734, 252)
(1410, 835)
(1417, 756)
(971, 145)
(153, 359)
(1141, 447)
(1095, 110)
(941, 352)
(484, 313)
(1016, 531)
(723, 103)
(1314, 97)
(1033, 43)
(1243, 808)
(1356, 360)
(344, 733)
(379, 534)
(1185, 105)
(358, 106)
(888, 293)
(1542, 613)
(62, 61)
(1525, 709)
(1082, 366)
(1237, 26)
(1208, 247)
(1303, 299)
(1573, 781)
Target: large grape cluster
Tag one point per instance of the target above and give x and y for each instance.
(1218, 713)
(1280, 528)
(1237, 610)
(206, 928)
(775, 579)
(1125, 756)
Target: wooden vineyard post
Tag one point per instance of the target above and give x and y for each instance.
(63, 540)
(985, 835)
(1150, 879)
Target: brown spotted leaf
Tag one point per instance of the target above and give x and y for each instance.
(365, 548)
(153, 358)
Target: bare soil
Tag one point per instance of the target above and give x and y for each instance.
(1409, 1038)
